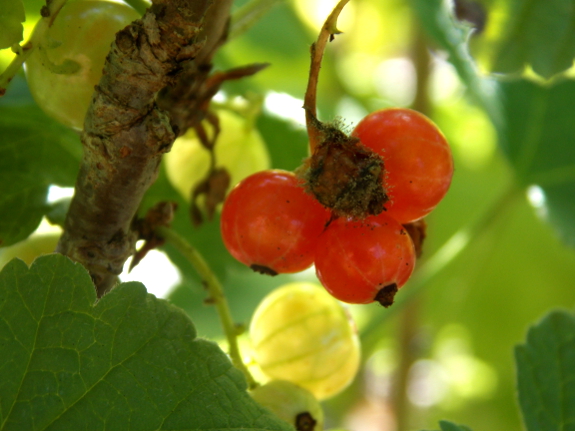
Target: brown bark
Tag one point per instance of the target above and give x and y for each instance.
(126, 132)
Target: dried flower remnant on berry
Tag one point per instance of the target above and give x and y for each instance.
(345, 176)
(305, 422)
(386, 295)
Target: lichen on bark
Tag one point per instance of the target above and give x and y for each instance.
(128, 127)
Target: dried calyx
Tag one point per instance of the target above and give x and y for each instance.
(343, 175)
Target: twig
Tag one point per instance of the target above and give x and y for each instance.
(216, 296)
(126, 132)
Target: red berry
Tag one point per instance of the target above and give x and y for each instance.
(365, 261)
(270, 224)
(417, 160)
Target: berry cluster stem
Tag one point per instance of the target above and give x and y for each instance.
(326, 34)
(216, 295)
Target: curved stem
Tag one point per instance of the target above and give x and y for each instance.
(41, 26)
(326, 34)
(217, 296)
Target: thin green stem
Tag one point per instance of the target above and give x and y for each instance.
(452, 248)
(217, 296)
(37, 35)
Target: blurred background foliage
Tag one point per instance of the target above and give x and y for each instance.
(499, 252)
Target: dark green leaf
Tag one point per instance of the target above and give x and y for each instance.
(450, 426)
(546, 375)
(22, 204)
(35, 152)
(536, 33)
(129, 361)
(534, 123)
(12, 16)
(538, 141)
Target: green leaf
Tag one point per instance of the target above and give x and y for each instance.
(12, 16)
(538, 33)
(545, 374)
(450, 426)
(129, 361)
(22, 204)
(538, 141)
(287, 142)
(35, 152)
(438, 22)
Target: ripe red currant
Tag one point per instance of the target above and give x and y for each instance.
(417, 160)
(270, 224)
(365, 261)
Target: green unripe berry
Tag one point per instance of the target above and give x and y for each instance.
(67, 63)
(292, 403)
(302, 334)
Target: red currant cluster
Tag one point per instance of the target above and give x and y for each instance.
(271, 224)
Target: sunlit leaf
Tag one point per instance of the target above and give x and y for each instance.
(545, 374)
(129, 361)
(12, 16)
(537, 33)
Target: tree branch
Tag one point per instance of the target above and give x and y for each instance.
(126, 132)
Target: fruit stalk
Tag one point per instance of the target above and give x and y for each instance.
(326, 34)
(126, 133)
(216, 297)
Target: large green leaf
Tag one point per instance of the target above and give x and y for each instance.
(539, 33)
(35, 152)
(546, 374)
(129, 361)
(538, 141)
(12, 16)
(534, 123)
